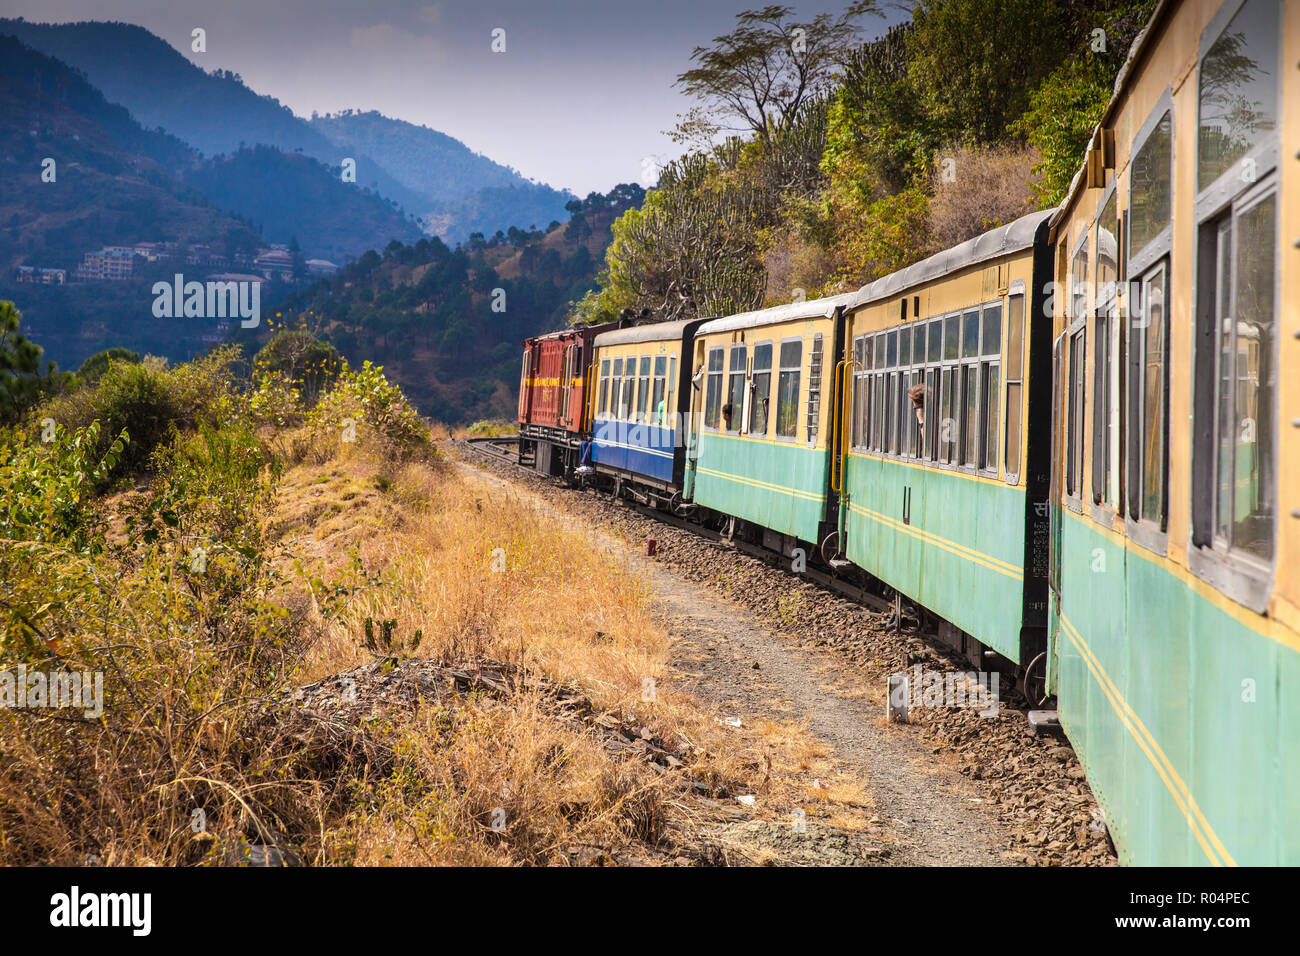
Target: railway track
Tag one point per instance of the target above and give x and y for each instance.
(505, 449)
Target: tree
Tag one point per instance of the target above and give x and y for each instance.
(768, 67)
(974, 62)
(22, 385)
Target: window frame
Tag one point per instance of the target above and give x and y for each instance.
(1159, 245)
(1152, 535)
(1017, 289)
(1240, 575)
(602, 409)
(781, 371)
(710, 376)
(1266, 155)
(1106, 306)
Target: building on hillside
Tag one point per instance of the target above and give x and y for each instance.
(38, 276)
(112, 263)
(321, 268)
(275, 263)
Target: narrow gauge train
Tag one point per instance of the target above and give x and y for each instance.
(1064, 440)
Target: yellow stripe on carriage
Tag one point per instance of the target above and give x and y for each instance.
(1138, 730)
(928, 537)
(762, 485)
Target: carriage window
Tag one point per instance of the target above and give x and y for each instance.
(787, 389)
(990, 387)
(1105, 381)
(658, 406)
(1079, 281)
(814, 388)
(734, 409)
(604, 386)
(969, 404)
(1150, 188)
(670, 408)
(934, 348)
(713, 389)
(1015, 366)
(930, 413)
(1235, 445)
(948, 424)
(1238, 91)
(643, 391)
(1074, 412)
(970, 335)
(1148, 406)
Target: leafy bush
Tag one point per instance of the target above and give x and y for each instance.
(148, 401)
(364, 406)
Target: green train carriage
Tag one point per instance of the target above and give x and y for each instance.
(767, 465)
(943, 475)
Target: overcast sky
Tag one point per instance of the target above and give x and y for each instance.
(582, 95)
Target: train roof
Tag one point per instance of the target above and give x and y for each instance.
(993, 244)
(811, 309)
(650, 332)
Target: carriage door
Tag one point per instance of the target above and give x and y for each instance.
(694, 410)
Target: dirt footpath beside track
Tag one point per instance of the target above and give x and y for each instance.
(949, 787)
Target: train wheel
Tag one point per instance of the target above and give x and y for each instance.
(830, 549)
(1033, 682)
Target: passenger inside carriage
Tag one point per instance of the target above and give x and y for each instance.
(727, 411)
(917, 394)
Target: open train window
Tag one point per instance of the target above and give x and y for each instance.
(735, 402)
(1074, 419)
(990, 397)
(658, 394)
(670, 406)
(643, 390)
(604, 387)
(713, 389)
(1234, 491)
(1148, 398)
(1105, 381)
(616, 389)
(787, 388)
(760, 391)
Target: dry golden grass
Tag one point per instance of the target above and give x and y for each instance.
(484, 573)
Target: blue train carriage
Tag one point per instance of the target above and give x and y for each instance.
(943, 476)
(641, 384)
(1175, 578)
(760, 424)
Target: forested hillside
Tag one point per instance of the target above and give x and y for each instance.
(812, 168)
(446, 323)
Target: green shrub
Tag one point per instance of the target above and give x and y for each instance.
(148, 400)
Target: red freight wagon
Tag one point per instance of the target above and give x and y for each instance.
(552, 387)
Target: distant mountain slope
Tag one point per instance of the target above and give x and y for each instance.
(446, 185)
(113, 181)
(213, 112)
(468, 192)
(289, 195)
